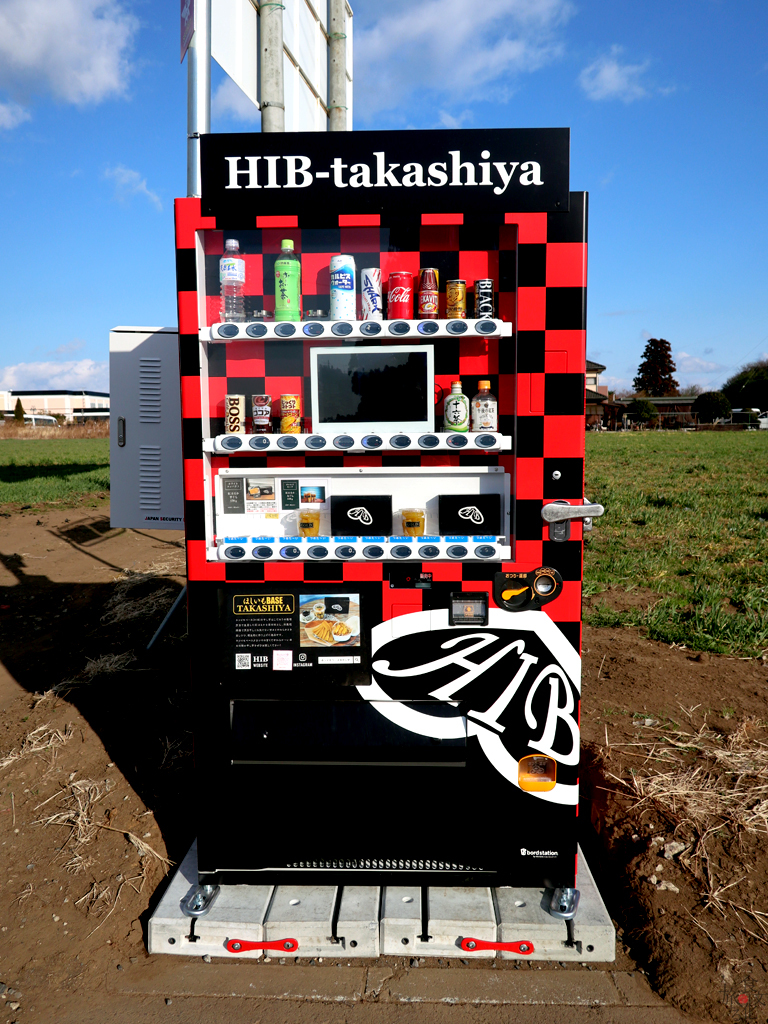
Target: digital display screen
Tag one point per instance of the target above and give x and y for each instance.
(468, 610)
(365, 387)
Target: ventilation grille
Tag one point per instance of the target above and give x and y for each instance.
(383, 865)
(149, 477)
(150, 385)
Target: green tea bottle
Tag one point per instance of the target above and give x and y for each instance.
(287, 283)
(456, 410)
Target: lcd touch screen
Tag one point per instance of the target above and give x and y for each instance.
(372, 390)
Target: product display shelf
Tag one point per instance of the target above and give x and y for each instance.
(275, 548)
(368, 330)
(247, 444)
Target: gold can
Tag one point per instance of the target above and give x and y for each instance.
(234, 414)
(290, 414)
(456, 299)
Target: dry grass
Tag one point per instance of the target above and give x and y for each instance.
(125, 603)
(11, 431)
(41, 740)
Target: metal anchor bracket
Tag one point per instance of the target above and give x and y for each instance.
(470, 945)
(243, 945)
(558, 514)
(200, 900)
(564, 903)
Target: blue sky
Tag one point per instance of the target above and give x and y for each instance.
(666, 102)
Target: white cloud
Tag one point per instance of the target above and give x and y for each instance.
(130, 183)
(75, 50)
(68, 347)
(608, 78)
(450, 47)
(229, 100)
(686, 363)
(449, 121)
(12, 115)
(52, 375)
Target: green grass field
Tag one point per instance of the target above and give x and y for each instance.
(52, 471)
(686, 518)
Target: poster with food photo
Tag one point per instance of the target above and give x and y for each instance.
(260, 494)
(329, 620)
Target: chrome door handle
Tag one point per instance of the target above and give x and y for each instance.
(558, 514)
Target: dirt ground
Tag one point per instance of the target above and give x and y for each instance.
(96, 790)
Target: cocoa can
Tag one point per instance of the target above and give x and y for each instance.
(262, 413)
(290, 414)
(400, 301)
(429, 288)
(484, 298)
(456, 299)
(234, 414)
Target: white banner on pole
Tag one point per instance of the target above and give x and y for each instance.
(234, 43)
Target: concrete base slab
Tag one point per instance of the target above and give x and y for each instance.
(366, 921)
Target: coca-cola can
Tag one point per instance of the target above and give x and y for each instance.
(234, 414)
(370, 290)
(400, 302)
(484, 298)
(429, 289)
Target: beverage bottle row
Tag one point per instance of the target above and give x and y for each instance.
(404, 294)
(481, 414)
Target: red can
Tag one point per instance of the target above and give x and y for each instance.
(400, 302)
(429, 281)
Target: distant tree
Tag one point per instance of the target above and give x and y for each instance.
(654, 374)
(748, 389)
(642, 410)
(692, 389)
(18, 412)
(710, 406)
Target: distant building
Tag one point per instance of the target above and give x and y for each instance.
(74, 406)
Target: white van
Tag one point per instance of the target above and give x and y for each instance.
(33, 420)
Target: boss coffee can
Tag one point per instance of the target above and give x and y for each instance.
(484, 298)
(234, 414)
(456, 300)
(370, 290)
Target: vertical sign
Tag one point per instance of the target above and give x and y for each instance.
(187, 24)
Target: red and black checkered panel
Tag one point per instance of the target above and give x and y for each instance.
(539, 262)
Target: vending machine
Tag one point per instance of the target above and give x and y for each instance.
(385, 564)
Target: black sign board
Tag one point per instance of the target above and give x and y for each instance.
(474, 171)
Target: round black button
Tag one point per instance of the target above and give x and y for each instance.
(400, 441)
(457, 551)
(235, 552)
(544, 584)
(399, 327)
(317, 551)
(232, 442)
(344, 441)
(342, 329)
(429, 441)
(486, 327)
(485, 551)
(370, 327)
(345, 551)
(256, 330)
(259, 442)
(456, 440)
(373, 551)
(314, 329)
(428, 327)
(285, 330)
(400, 551)
(315, 441)
(287, 441)
(262, 552)
(372, 441)
(456, 327)
(228, 331)
(429, 551)
(485, 441)
(290, 552)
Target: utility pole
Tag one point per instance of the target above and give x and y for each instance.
(337, 68)
(271, 67)
(198, 92)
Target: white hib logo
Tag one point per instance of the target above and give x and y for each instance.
(361, 514)
(471, 512)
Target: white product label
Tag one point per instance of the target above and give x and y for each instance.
(456, 412)
(231, 269)
(485, 414)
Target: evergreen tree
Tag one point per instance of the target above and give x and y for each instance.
(748, 389)
(642, 409)
(654, 374)
(710, 406)
(18, 412)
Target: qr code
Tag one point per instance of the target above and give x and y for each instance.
(242, 661)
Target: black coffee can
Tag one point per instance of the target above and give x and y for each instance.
(484, 298)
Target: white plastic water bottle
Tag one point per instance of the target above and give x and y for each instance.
(232, 278)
